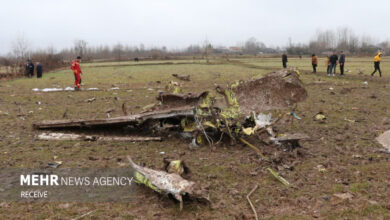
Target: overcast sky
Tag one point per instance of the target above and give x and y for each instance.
(178, 23)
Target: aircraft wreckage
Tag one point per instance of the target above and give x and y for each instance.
(241, 110)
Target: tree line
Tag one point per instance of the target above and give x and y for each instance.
(323, 42)
(344, 39)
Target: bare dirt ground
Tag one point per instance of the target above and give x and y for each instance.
(341, 158)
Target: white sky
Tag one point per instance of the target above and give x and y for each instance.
(179, 23)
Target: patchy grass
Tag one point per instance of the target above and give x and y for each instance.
(345, 149)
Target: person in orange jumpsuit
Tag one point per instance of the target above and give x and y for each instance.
(77, 73)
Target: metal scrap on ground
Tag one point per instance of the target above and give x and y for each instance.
(248, 108)
(243, 109)
(78, 137)
(184, 78)
(167, 183)
(61, 89)
(384, 140)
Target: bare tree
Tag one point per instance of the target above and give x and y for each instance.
(80, 47)
(207, 49)
(20, 48)
(253, 46)
(118, 51)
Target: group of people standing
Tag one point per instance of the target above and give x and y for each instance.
(29, 69)
(332, 61)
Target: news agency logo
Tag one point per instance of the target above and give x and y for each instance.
(53, 180)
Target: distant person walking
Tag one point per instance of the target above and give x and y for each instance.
(284, 60)
(377, 61)
(341, 62)
(333, 63)
(77, 73)
(39, 70)
(314, 62)
(29, 69)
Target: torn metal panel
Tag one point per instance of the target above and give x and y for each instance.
(122, 120)
(70, 137)
(187, 99)
(384, 139)
(276, 90)
(163, 182)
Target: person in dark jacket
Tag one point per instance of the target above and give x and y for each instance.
(341, 62)
(284, 60)
(29, 69)
(39, 70)
(333, 63)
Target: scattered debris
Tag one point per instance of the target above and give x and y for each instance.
(373, 96)
(65, 136)
(345, 91)
(349, 120)
(281, 179)
(263, 120)
(294, 114)
(253, 147)
(250, 203)
(166, 183)
(321, 168)
(173, 87)
(60, 89)
(4, 113)
(184, 78)
(291, 140)
(176, 166)
(385, 151)
(90, 100)
(320, 116)
(55, 164)
(384, 140)
(84, 215)
(344, 196)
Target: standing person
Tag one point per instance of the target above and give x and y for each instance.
(77, 73)
(39, 70)
(333, 63)
(29, 68)
(341, 62)
(377, 61)
(284, 60)
(26, 68)
(314, 62)
(327, 65)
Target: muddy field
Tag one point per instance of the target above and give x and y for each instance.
(339, 173)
